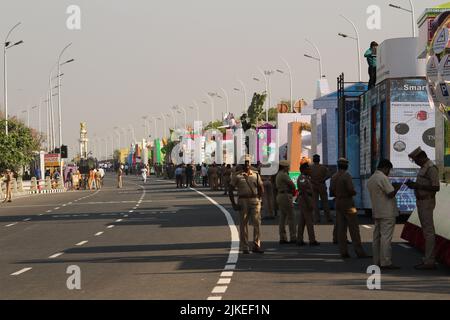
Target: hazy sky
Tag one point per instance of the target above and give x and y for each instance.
(140, 57)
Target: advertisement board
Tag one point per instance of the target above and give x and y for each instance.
(412, 121)
(52, 160)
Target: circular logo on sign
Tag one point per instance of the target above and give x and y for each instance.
(441, 41)
(444, 68)
(399, 146)
(429, 137)
(402, 129)
(422, 115)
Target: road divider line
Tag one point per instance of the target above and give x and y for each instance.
(110, 227)
(99, 233)
(224, 281)
(11, 224)
(119, 220)
(220, 289)
(81, 243)
(227, 274)
(56, 255)
(234, 250)
(214, 298)
(21, 271)
(27, 219)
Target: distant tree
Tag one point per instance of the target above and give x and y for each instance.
(18, 148)
(255, 112)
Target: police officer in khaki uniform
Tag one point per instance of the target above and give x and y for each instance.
(346, 214)
(9, 176)
(319, 175)
(285, 189)
(305, 202)
(213, 177)
(227, 171)
(268, 200)
(250, 190)
(425, 188)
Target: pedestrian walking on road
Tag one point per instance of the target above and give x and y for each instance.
(306, 205)
(144, 173)
(319, 175)
(9, 176)
(285, 201)
(213, 177)
(425, 189)
(384, 212)
(179, 176)
(250, 190)
(346, 213)
(120, 177)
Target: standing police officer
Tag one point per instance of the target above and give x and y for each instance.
(346, 215)
(285, 189)
(250, 190)
(319, 175)
(425, 188)
(305, 202)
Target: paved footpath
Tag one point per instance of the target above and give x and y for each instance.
(157, 242)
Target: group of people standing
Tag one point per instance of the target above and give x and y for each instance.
(311, 187)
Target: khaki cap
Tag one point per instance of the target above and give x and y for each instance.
(343, 161)
(416, 153)
(285, 163)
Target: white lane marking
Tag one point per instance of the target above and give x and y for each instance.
(405, 246)
(125, 216)
(131, 211)
(137, 205)
(214, 298)
(110, 227)
(367, 227)
(57, 208)
(70, 202)
(230, 267)
(220, 289)
(81, 243)
(56, 255)
(27, 219)
(64, 205)
(41, 214)
(119, 220)
(21, 271)
(224, 281)
(227, 274)
(99, 233)
(48, 211)
(11, 224)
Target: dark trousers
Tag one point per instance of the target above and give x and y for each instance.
(189, 181)
(205, 181)
(179, 179)
(373, 77)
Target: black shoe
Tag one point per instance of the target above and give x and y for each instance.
(301, 243)
(245, 251)
(314, 244)
(391, 267)
(424, 266)
(258, 250)
(284, 242)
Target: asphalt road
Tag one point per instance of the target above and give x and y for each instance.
(157, 242)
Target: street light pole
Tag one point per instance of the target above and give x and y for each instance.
(227, 99)
(165, 125)
(5, 72)
(210, 96)
(318, 59)
(413, 15)
(358, 47)
(59, 98)
(198, 110)
(245, 94)
(290, 83)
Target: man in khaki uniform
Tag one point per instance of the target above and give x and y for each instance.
(425, 188)
(305, 202)
(8, 182)
(213, 177)
(268, 200)
(384, 212)
(250, 190)
(346, 214)
(319, 175)
(286, 188)
(226, 178)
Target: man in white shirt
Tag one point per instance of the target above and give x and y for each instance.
(384, 212)
(144, 172)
